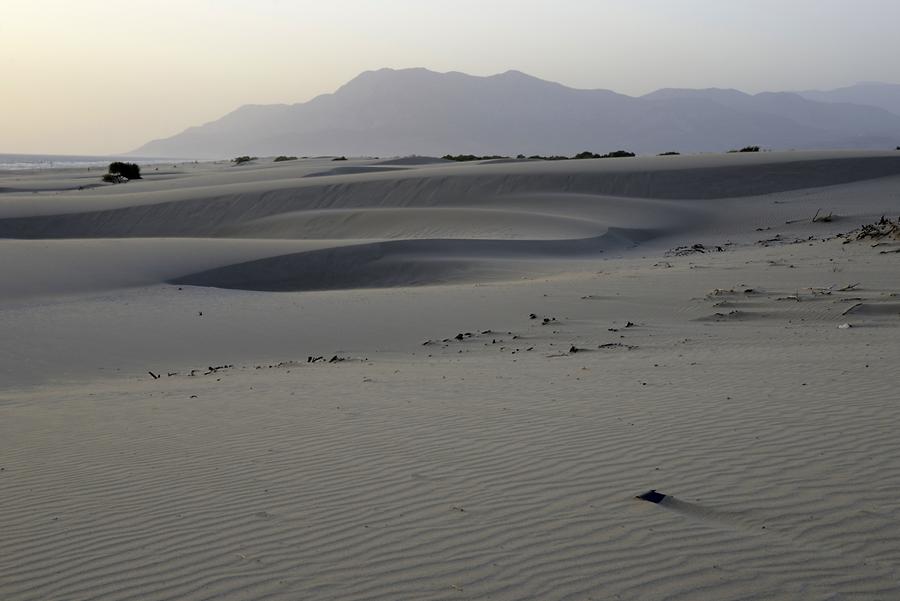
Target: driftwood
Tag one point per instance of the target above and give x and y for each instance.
(683, 251)
(883, 228)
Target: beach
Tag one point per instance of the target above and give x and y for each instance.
(420, 379)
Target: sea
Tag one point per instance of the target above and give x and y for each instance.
(16, 162)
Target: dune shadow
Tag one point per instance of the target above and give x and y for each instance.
(399, 263)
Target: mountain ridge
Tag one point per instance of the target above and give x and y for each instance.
(419, 111)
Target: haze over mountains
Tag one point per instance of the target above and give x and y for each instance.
(883, 95)
(417, 111)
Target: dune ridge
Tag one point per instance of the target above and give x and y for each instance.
(403, 263)
(490, 210)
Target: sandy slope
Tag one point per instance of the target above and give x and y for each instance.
(501, 465)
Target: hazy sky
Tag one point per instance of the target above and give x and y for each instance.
(96, 76)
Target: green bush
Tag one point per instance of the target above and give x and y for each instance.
(668, 154)
(282, 158)
(126, 170)
(342, 158)
(243, 159)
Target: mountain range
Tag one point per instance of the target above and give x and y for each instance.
(417, 111)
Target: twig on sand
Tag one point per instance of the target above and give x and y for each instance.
(822, 291)
(824, 219)
(153, 375)
(852, 308)
(883, 228)
(610, 345)
(793, 297)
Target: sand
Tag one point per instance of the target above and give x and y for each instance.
(503, 464)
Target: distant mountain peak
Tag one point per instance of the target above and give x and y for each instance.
(402, 111)
(515, 74)
(388, 73)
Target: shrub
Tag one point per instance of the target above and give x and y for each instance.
(609, 155)
(549, 158)
(617, 154)
(114, 178)
(282, 158)
(668, 154)
(471, 157)
(581, 155)
(746, 149)
(126, 170)
(341, 158)
(243, 159)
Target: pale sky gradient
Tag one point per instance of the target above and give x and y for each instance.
(96, 76)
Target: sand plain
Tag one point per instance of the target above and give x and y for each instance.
(520, 349)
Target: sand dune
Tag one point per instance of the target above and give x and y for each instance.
(510, 354)
(560, 201)
(42, 268)
(435, 222)
(403, 263)
(354, 170)
(412, 160)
